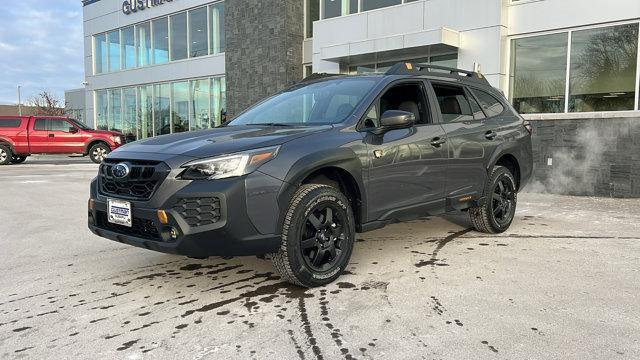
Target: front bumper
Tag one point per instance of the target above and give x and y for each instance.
(210, 218)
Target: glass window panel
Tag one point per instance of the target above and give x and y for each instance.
(308, 70)
(538, 73)
(128, 48)
(218, 101)
(376, 4)
(143, 35)
(180, 106)
(101, 110)
(114, 50)
(216, 26)
(385, 66)
(100, 55)
(115, 110)
(362, 69)
(313, 14)
(603, 69)
(198, 32)
(448, 60)
(334, 8)
(475, 108)
(160, 41)
(59, 125)
(178, 36)
(453, 102)
(129, 121)
(145, 111)
(199, 118)
(490, 105)
(292, 106)
(40, 125)
(162, 109)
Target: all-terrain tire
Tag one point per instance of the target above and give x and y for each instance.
(290, 260)
(484, 218)
(18, 159)
(98, 152)
(5, 155)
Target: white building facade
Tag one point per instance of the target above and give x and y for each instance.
(548, 56)
(571, 66)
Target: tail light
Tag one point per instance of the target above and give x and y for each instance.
(527, 125)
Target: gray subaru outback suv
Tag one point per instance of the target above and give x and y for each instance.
(295, 177)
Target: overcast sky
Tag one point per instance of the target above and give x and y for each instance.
(41, 48)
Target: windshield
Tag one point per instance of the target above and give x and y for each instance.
(324, 102)
(79, 124)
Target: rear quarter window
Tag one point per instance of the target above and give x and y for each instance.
(490, 105)
(10, 123)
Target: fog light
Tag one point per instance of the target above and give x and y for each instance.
(174, 233)
(162, 216)
(91, 204)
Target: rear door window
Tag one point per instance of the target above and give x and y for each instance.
(455, 105)
(490, 105)
(10, 123)
(40, 125)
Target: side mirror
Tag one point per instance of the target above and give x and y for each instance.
(73, 129)
(395, 119)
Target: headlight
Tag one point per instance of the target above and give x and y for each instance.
(227, 166)
(116, 139)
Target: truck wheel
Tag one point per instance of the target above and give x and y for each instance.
(98, 152)
(317, 236)
(5, 155)
(496, 214)
(18, 159)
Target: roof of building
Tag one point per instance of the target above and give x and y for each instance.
(12, 110)
(9, 110)
(88, 2)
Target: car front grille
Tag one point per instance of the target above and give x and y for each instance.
(199, 211)
(140, 184)
(142, 228)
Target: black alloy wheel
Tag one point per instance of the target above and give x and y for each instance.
(497, 211)
(318, 234)
(322, 239)
(503, 201)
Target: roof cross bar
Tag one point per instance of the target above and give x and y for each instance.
(409, 68)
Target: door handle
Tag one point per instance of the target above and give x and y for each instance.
(490, 135)
(52, 135)
(437, 141)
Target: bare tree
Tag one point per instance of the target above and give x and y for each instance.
(47, 104)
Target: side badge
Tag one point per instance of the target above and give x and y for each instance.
(378, 153)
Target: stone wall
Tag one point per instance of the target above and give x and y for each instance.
(598, 157)
(263, 49)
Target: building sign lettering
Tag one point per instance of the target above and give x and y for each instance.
(133, 6)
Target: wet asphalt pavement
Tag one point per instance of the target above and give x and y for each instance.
(563, 282)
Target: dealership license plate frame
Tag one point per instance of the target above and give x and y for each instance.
(119, 212)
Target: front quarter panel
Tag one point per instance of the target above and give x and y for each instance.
(341, 148)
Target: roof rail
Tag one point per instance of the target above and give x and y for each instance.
(409, 68)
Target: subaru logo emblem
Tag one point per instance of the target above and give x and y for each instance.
(121, 170)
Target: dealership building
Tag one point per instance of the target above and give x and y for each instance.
(571, 67)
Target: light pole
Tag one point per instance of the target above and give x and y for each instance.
(19, 102)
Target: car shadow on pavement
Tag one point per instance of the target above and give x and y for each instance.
(54, 160)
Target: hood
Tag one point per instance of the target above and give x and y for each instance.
(225, 140)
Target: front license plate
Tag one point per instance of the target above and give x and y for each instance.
(119, 212)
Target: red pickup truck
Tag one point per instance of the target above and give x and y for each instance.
(21, 136)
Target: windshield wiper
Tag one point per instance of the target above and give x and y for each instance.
(272, 124)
